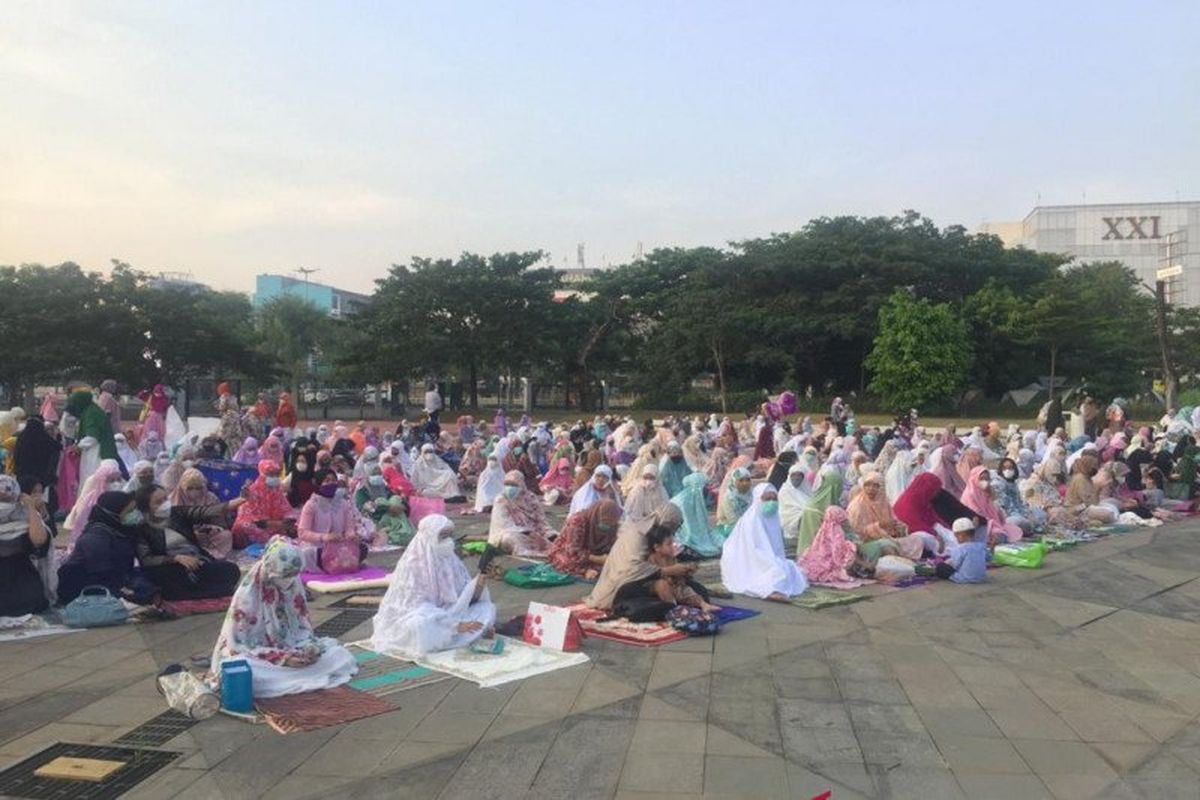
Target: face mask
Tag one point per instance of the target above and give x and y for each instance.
(677, 459)
(375, 480)
(327, 490)
(984, 485)
(604, 527)
(115, 486)
(445, 548)
(1009, 474)
(517, 451)
(301, 466)
(770, 508)
(511, 492)
(272, 483)
(188, 464)
(131, 518)
(797, 481)
(340, 493)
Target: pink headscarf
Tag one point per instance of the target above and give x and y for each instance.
(49, 412)
(271, 450)
(561, 476)
(108, 472)
(947, 472)
(830, 553)
(982, 504)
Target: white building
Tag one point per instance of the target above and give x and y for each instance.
(1154, 239)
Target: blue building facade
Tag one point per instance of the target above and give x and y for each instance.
(333, 301)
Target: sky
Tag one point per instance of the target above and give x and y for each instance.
(226, 139)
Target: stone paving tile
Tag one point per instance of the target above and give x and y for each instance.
(663, 772)
(586, 758)
(982, 786)
(736, 776)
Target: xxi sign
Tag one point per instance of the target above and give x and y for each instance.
(1131, 228)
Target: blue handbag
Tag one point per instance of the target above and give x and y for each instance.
(95, 607)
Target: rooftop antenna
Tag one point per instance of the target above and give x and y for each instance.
(580, 261)
(306, 272)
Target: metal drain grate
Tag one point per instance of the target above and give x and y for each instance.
(19, 780)
(345, 601)
(158, 731)
(340, 624)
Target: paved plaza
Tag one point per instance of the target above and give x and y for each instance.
(1080, 679)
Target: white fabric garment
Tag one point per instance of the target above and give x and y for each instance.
(901, 473)
(588, 495)
(490, 484)
(646, 496)
(127, 454)
(793, 500)
(432, 477)
(429, 595)
(89, 458)
(368, 462)
(753, 562)
(518, 525)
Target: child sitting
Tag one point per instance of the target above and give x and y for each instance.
(395, 523)
(968, 558)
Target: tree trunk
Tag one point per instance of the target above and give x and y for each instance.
(1053, 363)
(474, 384)
(720, 362)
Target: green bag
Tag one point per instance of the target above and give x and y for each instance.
(476, 548)
(536, 576)
(1027, 555)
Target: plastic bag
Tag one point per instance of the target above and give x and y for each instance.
(1028, 555)
(894, 568)
(186, 693)
(536, 576)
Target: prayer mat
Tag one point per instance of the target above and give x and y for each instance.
(185, 608)
(733, 614)
(536, 576)
(226, 479)
(382, 675)
(31, 626)
(310, 711)
(365, 578)
(815, 598)
(516, 662)
(916, 580)
(639, 634)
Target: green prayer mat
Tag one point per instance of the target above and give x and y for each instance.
(817, 597)
(475, 548)
(383, 675)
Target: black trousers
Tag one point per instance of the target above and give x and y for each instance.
(212, 579)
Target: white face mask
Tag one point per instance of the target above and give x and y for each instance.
(984, 485)
(272, 483)
(1009, 474)
(115, 486)
(445, 548)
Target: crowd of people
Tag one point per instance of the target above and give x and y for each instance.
(782, 500)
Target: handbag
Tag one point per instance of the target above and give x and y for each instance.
(340, 557)
(95, 607)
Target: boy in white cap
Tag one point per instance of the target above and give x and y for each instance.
(968, 558)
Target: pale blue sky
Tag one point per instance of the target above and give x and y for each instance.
(228, 138)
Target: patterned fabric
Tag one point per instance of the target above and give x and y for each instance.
(826, 559)
(586, 533)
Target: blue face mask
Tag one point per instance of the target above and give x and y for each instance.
(770, 508)
(132, 518)
(511, 492)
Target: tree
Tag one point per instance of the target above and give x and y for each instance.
(922, 354)
(290, 332)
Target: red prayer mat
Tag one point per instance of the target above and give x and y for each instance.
(309, 711)
(639, 634)
(186, 608)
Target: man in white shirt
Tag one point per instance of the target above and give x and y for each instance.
(433, 401)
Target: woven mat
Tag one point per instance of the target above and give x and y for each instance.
(817, 597)
(185, 608)
(310, 711)
(382, 675)
(639, 634)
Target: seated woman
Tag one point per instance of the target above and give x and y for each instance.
(266, 512)
(489, 486)
(673, 468)
(1083, 497)
(696, 537)
(105, 552)
(300, 483)
(431, 477)
(106, 478)
(794, 495)
(267, 625)
(978, 497)
(170, 553)
(827, 493)
(925, 507)
(753, 562)
(1007, 491)
(472, 463)
(141, 476)
(328, 529)
(599, 487)
(518, 525)
(24, 537)
(559, 483)
(879, 532)
(394, 476)
(248, 453)
(193, 491)
(583, 545)
(432, 603)
(646, 496)
(833, 553)
(371, 497)
(733, 501)
(395, 524)
(629, 580)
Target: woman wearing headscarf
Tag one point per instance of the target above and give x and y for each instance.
(878, 530)
(926, 507)
(905, 467)
(489, 486)
(285, 413)
(753, 561)
(599, 487)
(646, 496)
(24, 537)
(37, 454)
(500, 423)
(231, 429)
(672, 469)
(716, 470)
(831, 554)
(693, 453)
(978, 497)
(944, 467)
(192, 492)
(268, 625)
(591, 459)
(764, 445)
(157, 403)
(271, 449)
(431, 477)
(583, 545)
(518, 523)
(794, 495)
(170, 553)
(828, 492)
(248, 453)
(301, 483)
(432, 603)
(328, 527)
(141, 476)
(734, 500)
(473, 462)
(647, 454)
(93, 424)
(697, 538)
(105, 551)
(559, 482)
(266, 512)
(1083, 497)
(106, 478)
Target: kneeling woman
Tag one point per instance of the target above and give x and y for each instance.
(518, 525)
(432, 603)
(267, 624)
(170, 554)
(753, 561)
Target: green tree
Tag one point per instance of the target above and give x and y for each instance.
(290, 332)
(922, 355)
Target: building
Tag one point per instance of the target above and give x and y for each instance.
(335, 302)
(176, 280)
(572, 279)
(1156, 240)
